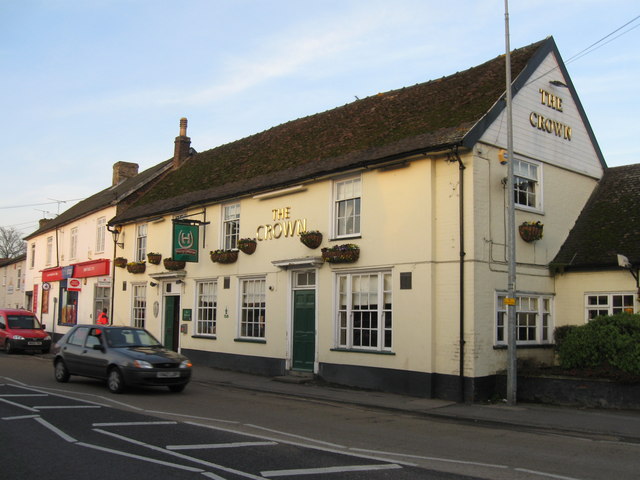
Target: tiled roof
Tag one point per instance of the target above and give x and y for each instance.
(425, 117)
(608, 225)
(105, 198)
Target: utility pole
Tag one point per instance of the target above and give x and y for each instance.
(510, 301)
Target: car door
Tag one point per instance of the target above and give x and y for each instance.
(71, 350)
(93, 361)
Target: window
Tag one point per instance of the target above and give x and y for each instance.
(597, 304)
(230, 226)
(49, 250)
(526, 188)
(141, 242)
(364, 311)
(533, 319)
(139, 309)
(347, 207)
(73, 243)
(252, 321)
(33, 255)
(101, 224)
(207, 294)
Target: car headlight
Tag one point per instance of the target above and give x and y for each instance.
(142, 364)
(47, 338)
(186, 364)
(17, 337)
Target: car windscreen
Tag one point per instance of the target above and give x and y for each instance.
(130, 337)
(23, 321)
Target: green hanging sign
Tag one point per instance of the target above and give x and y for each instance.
(185, 242)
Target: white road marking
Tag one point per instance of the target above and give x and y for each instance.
(18, 405)
(213, 476)
(180, 455)
(436, 459)
(307, 439)
(219, 445)
(139, 457)
(55, 430)
(315, 471)
(64, 407)
(24, 395)
(127, 424)
(21, 417)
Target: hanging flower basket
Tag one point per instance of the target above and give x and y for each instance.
(171, 264)
(224, 256)
(247, 245)
(136, 267)
(120, 262)
(531, 231)
(154, 258)
(347, 253)
(311, 239)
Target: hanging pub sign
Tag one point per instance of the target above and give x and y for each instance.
(185, 242)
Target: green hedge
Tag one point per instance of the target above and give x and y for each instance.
(612, 341)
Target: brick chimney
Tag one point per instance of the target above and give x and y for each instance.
(122, 171)
(183, 145)
(43, 221)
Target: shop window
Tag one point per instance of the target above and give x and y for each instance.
(68, 314)
(533, 319)
(230, 226)
(206, 308)
(598, 304)
(253, 308)
(365, 311)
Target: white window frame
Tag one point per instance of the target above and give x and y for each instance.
(49, 258)
(608, 303)
(541, 314)
(347, 195)
(138, 305)
(101, 226)
(527, 173)
(141, 242)
(230, 226)
(73, 243)
(206, 308)
(252, 322)
(32, 263)
(351, 327)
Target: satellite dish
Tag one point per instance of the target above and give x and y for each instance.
(623, 261)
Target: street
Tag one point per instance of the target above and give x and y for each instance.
(80, 429)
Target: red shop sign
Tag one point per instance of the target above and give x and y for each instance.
(94, 268)
(52, 275)
(74, 285)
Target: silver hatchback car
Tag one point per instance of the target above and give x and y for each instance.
(120, 355)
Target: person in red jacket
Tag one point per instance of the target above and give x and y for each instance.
(103, 319)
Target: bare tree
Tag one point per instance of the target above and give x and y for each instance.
(11, 243)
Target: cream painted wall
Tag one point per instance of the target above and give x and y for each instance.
(12, 277)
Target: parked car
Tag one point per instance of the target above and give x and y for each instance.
(120, 355)
(21, 330)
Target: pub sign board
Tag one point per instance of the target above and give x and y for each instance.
(185, 242)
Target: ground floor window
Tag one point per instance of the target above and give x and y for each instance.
(597, 304)
(364, 311)
(252, 308)
(533, 319)
(139, 310)
(206, 308)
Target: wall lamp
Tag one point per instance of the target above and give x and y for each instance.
(115, 232)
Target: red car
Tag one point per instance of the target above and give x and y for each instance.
(21, 330)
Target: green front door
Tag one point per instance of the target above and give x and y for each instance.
(304, 329)
(171, 322)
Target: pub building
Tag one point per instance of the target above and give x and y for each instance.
(366, 245)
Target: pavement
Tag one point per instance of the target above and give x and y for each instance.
(612, 425)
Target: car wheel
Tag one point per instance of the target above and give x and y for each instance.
(177, 388)
(61, 372)
(115, 381)
(8, 347)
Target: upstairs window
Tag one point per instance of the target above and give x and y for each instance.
(49, 250)
(101, 225)
(526, 188)
(230, 226)
(141, 242)
(73, 243)
(347, 201)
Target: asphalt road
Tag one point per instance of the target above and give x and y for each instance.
(220, 432)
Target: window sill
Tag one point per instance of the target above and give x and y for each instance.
(521, 346)
(206, 337)
(346, 237)
(358, 350)
(250, 340)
